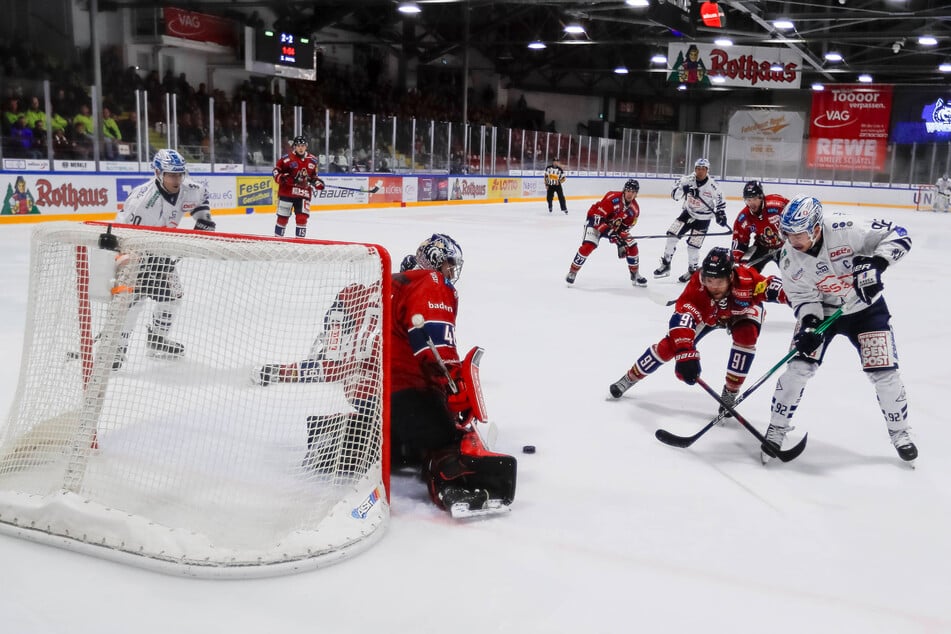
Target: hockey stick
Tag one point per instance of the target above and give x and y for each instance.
(770, 450)
(665, 235)
(419, 322)
(359, 190)
(685, 441)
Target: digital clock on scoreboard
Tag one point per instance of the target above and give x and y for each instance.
(286, 49)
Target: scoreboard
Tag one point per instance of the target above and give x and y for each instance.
(277, 53)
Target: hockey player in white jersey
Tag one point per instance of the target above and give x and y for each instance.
(702, 202)
(827, 264)
(162, 202)
(942, 192)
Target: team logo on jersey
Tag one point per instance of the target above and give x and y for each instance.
(841, 252)
(440, 306)
(821, 268)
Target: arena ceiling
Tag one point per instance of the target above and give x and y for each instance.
(877, 37)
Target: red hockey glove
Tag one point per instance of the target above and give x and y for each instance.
(318, 184)
(459, 401)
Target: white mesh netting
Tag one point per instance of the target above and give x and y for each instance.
(162, 446)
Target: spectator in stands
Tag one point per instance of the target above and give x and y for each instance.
(84, 117)
(40, 138)
(10, 114)
(110, 135)
(62, 146)
(35, 113)
(21, 139)
(82, 142)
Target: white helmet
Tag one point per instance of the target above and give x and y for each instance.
(702, 162)
(168, 161)
(439, 248)
(801, 215)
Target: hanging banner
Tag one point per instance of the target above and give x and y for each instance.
(849, 127)
(766, 135)
(751, 66)
(200, 27)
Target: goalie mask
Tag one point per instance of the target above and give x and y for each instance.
(437, 250)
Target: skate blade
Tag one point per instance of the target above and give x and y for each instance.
(461, 510)
(158, 354)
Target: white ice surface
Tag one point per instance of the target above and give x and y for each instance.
(611, 531)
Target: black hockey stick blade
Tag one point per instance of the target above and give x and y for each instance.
(374, 190)
(785, 454)
(682, 441)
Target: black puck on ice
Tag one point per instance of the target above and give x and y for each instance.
(528, 449)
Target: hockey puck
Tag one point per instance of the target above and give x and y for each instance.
(528, 449)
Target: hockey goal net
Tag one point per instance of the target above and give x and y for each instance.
(180, 459)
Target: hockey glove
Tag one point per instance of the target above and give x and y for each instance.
(318, 184)
(720, 215)
(687, 367)
(867, 276)
(203, 221)
(687, 189)
(807, 339)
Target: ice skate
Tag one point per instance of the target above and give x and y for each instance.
(622, 385)
(906, 449)
(693, 268)
(775, 435)
(161, 346)
(572, 274)
(664, 269)
(464, 503)
(728, 397)
(638, 280)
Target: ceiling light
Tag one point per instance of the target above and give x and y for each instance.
(659, 58)
(783, 25)
(927, 40)
(723, 41)
(536, 45)
(865, 78)
(574, 29)
(832, 56)
(621, 70)
(945, 67)
(638, 3)
(408, 8)
(818, 87)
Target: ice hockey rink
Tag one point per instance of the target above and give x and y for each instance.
(611, 531)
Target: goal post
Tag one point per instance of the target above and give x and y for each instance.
(122, 445)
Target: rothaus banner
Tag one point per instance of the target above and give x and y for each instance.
(751, 66)
(849, 127)
(766, 135)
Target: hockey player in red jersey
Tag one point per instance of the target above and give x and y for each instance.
(756, 236)
(347, 351)
(720, 295)
(612, 217)
(434, 394)
(296, 176)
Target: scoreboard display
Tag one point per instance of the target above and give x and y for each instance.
(288, 49)
(277, 53)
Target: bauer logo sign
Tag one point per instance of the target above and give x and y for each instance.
(504, 188)
(255, 191)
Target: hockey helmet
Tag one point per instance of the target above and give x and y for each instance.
(299, 140)
(437, 250)
(632, 185)
(170, 161)
(801, 215)
(702, 162)
(717, 263)
(753, 189)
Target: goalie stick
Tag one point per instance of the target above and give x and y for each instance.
(685, 441)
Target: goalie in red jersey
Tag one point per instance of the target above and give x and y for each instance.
(612, 217)
(720, 295)
(296, 177)
(756, 236)
(436, 400)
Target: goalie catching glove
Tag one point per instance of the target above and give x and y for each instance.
(867, 276)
